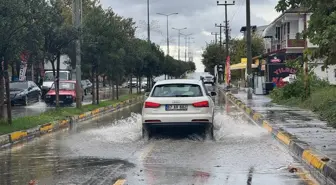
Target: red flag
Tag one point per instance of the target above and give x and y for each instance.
(228, 71)
(23, 68)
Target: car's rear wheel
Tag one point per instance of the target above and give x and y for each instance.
(26, 101)
(209, 132)
(145, 133)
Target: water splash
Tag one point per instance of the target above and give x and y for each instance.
(236, 126)
(126, 130)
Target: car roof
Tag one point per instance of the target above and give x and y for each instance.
(19, 81)
(179, 81)
(69, 81)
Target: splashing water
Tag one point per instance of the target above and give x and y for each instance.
(112, 141)
(236, 126)
(123, 131)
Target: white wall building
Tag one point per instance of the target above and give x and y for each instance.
(283, 35)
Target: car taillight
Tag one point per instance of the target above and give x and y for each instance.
(201, 104)
(149, 104)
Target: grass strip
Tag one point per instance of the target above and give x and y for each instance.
(27, 122)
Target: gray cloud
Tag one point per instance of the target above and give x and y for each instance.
(199, 16)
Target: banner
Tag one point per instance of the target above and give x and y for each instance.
(23, 67)
(227, 71)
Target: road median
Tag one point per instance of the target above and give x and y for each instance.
(316, 160)
(24, 128)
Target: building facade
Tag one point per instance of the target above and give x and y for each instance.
(283, 37)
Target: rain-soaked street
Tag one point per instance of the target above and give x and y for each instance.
(109, 148)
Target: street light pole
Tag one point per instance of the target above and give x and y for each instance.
(167, 15)
(249, 50)
(179, 39)
(77, 20)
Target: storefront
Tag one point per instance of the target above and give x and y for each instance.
(277, 69)
(271, 70)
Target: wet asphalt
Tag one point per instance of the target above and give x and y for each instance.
(108, 148)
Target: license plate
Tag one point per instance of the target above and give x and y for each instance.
(176, 107)
(59, 101)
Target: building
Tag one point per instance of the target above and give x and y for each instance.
(283, 41)
(243, 30)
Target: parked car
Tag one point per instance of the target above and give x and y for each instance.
(209, 79)
(87, 86)
(67, 93)
(24, 92)
(143, 85)
(181, 102)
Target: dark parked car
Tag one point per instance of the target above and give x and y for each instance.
(24, 92)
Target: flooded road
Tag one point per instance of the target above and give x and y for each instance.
(109, 148)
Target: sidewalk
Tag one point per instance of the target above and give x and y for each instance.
(307, 137)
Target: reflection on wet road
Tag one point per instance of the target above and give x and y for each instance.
(110, 148)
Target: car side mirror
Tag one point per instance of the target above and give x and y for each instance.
(147, 94)
(213, 94)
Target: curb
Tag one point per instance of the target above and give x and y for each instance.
(299, 148)
(23, 135)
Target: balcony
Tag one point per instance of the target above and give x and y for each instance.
(288, 41)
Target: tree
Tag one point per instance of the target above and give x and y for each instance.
(17, 20)
(321, 29)
(212, 55)
(238, 48)
(58, 36)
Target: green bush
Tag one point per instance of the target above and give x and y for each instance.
(322, 99)
(292, 90)
(323, 102)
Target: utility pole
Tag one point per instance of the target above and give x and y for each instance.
(189, 52)
(179, 39)
(226, 25)
(220, 34)
(306, 78)
(186, 36)
(148, 26)
(215, 34)
(220, 75)
(77, 20)
(249, 50)
(167, 15)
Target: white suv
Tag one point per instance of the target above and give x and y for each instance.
(180, 102)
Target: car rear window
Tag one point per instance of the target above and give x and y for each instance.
(177, 90)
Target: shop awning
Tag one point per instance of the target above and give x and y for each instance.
(241, 66)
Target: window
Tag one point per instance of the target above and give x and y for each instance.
(18, 85)
(48, 76)
(277, 33)
(288, 28)
(65, 86)
(177, 90)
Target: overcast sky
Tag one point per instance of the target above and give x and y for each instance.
(199, 16)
